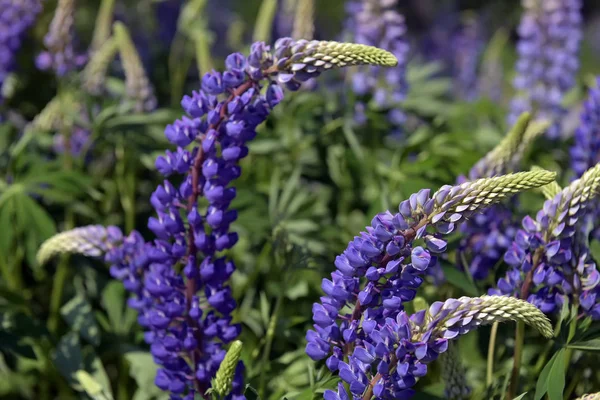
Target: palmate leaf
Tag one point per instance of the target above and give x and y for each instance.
(78, 313)
(143, 370)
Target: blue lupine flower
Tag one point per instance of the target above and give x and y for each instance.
(379, 271)
(549, 259)
(61, 56)
(550, 32)
(467, 46)
(16, 16)
(377, 23)
(585, 152)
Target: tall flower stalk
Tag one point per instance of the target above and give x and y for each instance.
(381, 270)
(61, 55)
(550, 33)
(488, 235)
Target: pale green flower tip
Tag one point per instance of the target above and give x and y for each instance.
(590, 396)
(224, 377)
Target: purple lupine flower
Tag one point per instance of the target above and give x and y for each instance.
(188, 319)
(61, 55)
(77, 142)
(379, 271)
(389, 358)
(16, 16)
(377, 23)
(467, 47)
(549, 259)
(550, 32)
(585, 152)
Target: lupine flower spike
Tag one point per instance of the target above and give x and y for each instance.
(585, 152)
(61, 55)
(387, 359)
(224, 379)
(16, 16)
(377, 23)
(103, 25)
(550, 32)
(549, 259)
(454, 374)
(92, 241)
(138, 87)
(222, 118)
(382, 268)
(487, 235)
(94, 73)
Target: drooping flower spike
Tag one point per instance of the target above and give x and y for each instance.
(591, 396)
(91, 241)
(487, 236)
(394, 353)
(382, 268)
(549, 260)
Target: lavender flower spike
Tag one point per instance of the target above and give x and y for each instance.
(138, 86)
(222, 118)
(304, 25)
(92, 240)
(550, 32)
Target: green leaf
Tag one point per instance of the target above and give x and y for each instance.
(68, 357)
(588, 345)
(78, 314)
(552, 378)
(143, 370)
(251, 393)
(121, 317)
(521, 396)
(460, 280)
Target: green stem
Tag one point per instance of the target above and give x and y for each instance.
(490, 357)
(264, 21)
(268, 343)
(573, 383)
(122, 392)
(514, 379)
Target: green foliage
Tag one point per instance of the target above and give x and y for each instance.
(312, 181)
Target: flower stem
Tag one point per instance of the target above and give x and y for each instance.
(514, 378)
(268, 344)
(491, 353)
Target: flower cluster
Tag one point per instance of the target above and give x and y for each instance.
(550, 32)
(487, 236)
(549, 259)
(585, 152)
(190, 318)
(61, 55)
(467, 48)
(16, 16)
(391, 266)
(392, 354)
(377, 23)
